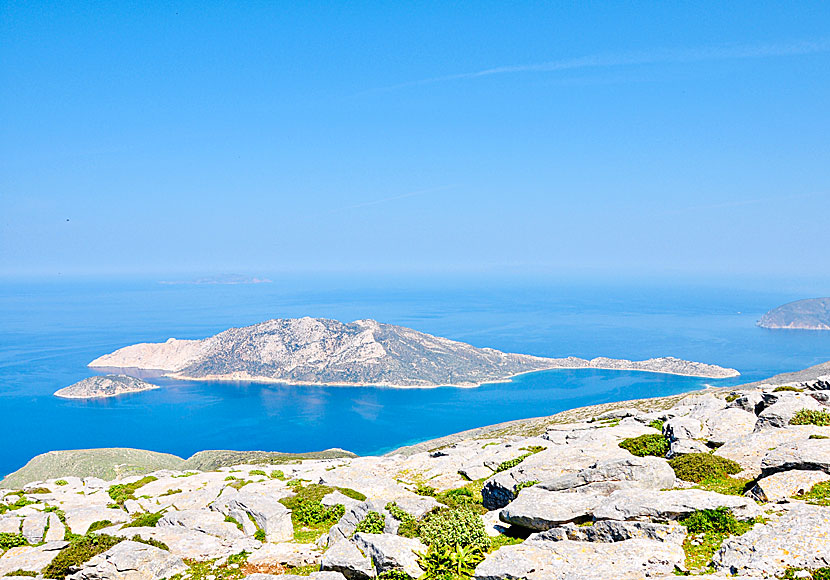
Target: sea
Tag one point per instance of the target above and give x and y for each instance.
(51, 328)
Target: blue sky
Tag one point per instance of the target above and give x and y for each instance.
(178, 138)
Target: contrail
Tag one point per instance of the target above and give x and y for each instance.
(702, 54)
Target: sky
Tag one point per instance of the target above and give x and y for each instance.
(177, 139)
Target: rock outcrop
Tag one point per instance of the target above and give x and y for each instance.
(104, 386)
(365, 352)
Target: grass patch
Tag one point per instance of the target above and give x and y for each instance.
(815, 436)
(819, 494)
(373, 523)
(733, 397)
(726, 485)
(523, 485)
(311, 519)
(810, 417)
(511, 463)
(707, 531)
(278, 474)
(657, 424)
(121, 492)
(23, 573)
(699, 467)
(99, 525)
(81, 550)
(144, 520)
(232, 569)
(257, 472)
(37, 490)
(784, 388)
(8, 541)
(817, 574)
(651, 444)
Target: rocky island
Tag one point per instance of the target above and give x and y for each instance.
(104, 386)
(809, 314)
(732, 483)
(365, 352)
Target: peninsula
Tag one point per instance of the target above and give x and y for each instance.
(318, 351)
(104, 386)
(809, 314)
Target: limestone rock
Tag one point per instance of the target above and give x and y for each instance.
(812, 454)
(205, 521)
(729, 423)
(751, 402)
(34, 527)
(79, 519)
(799, 539)
(10, 524)
(614, 531)
(545, 560)
(388, 552)
(190, 544)
(270, 515)
(56, 531)
(686, 446)
(131, 561)
(344, 557)
(670, 505)
(683, 428)
(30, 558)
(646, 472)
(786, 484)
(539, 509)
(287, 554)
(779, 414)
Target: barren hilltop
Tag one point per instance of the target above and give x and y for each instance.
(365, 352)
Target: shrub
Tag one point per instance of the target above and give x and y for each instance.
(22, 573)
(656, 424)
(151, 542)
(810, 417)
(278, 474)
(373, 523)
(8, 541)
(78, 552)
(232, 520)
(732, 397)
(525, 484)
(36, 490)
(99, 525)
(394, 575)
(652, 444)
(145, 520)
(448, 563)
(719, 520)
(310, 511)
(707, 530)
(814, 436)
(425, 490)
(819, 494)
(454, 527)
(61, 482)
(697, 467)
(260, 535)
(787, 388)
(121, 492)
(257, 472)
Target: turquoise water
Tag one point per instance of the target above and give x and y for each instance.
(50, 331)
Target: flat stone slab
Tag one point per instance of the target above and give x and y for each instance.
(546, 560)
(614, 531)
(344, 557)
(787, 484)
(798, 539)
(810, 454)
(636, 504)
(646, 472)
(539, 509)
(30, 558)
(287, 554)
(131, 561)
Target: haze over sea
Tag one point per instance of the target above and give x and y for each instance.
(49, 331)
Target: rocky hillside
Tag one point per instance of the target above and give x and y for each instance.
(712, 485)
(104, 386)
(809, 314)
(365, 352)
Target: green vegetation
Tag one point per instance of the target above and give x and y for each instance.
(148, 520)
(121, 492)
(810, 417)
(652, 444)
(656, 424)
(23, 573)
(525, 484)
(170, 492)
(814, 436)
(76, 553)
(425, 490)
(732, 397)
(278, 474)
(187, 474)
(310, 512)
(260, 535)
(232, 569)
(817, 574)
(61, 482)
(726, 485)
(707, 531)
(8, 541)
(511, 463)
(450, 563)
(99, 525)
(461, 526)
(303, 570)
(394, 575)
(408, 527)
(373, 523)
(37, 490)
(787, 388)
(311, 518)
(698, 467)
(151, 542)
(819, 494)
(257, 472)
(23, 501)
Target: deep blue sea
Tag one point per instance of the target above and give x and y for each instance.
(50, 330)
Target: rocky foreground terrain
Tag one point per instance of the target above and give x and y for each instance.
(365, 352)
(809, 314)
(724, 484)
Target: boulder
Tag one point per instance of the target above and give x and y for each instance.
(751, 402)
(344, 557)
(678, 428)
(269, 514)
(729, 423)
(334, 498)
(778, 415)
(10, 524)
(810, 454)
(686, 446)
(131, 561)
(539, 509)
(750, 450)
(786, 484)
(286, 554)
(545, 560)
(646, 472)
(55, 530)
(475, 471)
(30, 558)
(190, 544)
(798, 539)
(670, 505)
(205, 521)
(388, 552)
(34, 527)
(614, 531)
(348, 523)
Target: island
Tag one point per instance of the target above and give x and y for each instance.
(104, 386)
(318, 351)
(808, 314)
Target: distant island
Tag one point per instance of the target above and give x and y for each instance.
(317, 351)
(809, 314)
(104, 386)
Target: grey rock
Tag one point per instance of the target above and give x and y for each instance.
(569, 560)
(475, 471)
(540, 509)
(670, 505)
(334, 498)
(786, 484)
(34, 527)
(799, 539)
(288, 554)
(686, 446)
(646, 472)
(751, 402)
(348, 523)
(270, 515)
(131, 561)
(10, 524)
(346, 558)
(613, 531)
(683, 428)
(80, 518)
(778, 415)
(811, 454)
(728, 424)
(30, 558)
(389, 552)
(56, 531)
(208, 522)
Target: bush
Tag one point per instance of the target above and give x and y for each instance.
(656, 424)
(99, 525)
(8, 541)
(394, 575)
(278, 474)
(145, 521)
(732, 397)
(454, 527)
(78, 552)
(719, 520)
(36, 490)
(260, 535)
(787, 388)
(814, 436)
(309, 511)
(450, 562)
(425, 490)
(121, 492)
(257, 472)
(819, 494)
(151, 542)
(651, 444)
(810, 417)
(373, 523)
(697, 467)
(61, 482)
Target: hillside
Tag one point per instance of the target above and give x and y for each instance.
(809, 314)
